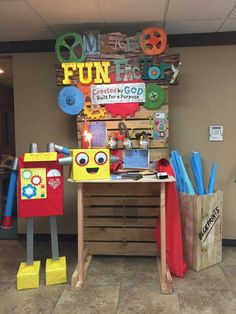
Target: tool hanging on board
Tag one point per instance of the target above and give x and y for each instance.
(124, 130)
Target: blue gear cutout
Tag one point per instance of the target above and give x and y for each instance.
(71, 100)
(29, 194)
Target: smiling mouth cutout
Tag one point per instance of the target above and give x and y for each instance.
(92, 170)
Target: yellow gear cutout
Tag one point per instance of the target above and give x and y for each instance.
(92, 112)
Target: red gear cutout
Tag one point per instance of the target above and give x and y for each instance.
(123, 109)
(36, 177)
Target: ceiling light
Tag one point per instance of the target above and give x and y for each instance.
(1, 71)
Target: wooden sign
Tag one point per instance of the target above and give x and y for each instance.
(135, 56)
(150, 41)
(156, 69)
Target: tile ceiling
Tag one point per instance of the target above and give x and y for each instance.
(46, 19)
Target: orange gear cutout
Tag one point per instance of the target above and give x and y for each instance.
(153, 40)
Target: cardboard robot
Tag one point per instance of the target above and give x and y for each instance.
(39, 179)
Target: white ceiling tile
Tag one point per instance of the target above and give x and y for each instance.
(104, 27)
(69, 28)
(20, 22)
(46, 19)
(10, 0)
(228, 26)
(17, 13)
(186, 27)
(56, 12)
(233, 14)
(199, 9)
(125, 11)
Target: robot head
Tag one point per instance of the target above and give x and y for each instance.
(90, 164)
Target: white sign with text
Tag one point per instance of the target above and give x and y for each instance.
(118, 93)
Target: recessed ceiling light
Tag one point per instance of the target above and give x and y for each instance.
(1, 71)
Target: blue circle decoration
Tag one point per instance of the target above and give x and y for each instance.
(71, 100)
(154, 73)
(155, 134)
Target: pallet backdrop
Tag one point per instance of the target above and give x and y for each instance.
(120, 219)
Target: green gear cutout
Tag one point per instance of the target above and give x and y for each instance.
(155, 96)
(27, 174)
(61, 42)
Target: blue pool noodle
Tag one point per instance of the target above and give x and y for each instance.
(197, 172)
(188, 188)
(11, 194)
(211, 184)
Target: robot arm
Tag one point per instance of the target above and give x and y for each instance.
(62, 149)
(7, 219)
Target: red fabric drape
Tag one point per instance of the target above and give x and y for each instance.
(174, 247)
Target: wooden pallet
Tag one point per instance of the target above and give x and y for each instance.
(139, 122)
(118, 219)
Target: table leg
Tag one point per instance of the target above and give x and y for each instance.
(83, 259)
(80, 231)
(163, 231)
(164, 273)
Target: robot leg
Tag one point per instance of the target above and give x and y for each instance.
(56, 266)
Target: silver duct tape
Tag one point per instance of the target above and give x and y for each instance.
(33, 148)
(65, 161)
(58, 148)
(50, 147)
(15, 164)
(114, 159)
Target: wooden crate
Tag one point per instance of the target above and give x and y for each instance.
(202, 229)
(120, 219)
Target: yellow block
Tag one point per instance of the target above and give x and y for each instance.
(28, 276)
(56, 271)
(90, 164)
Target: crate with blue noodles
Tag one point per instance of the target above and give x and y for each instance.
(201, 214)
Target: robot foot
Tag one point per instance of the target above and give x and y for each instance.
(28, 276)
(56, 271)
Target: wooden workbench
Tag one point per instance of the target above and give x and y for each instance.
(84, 256)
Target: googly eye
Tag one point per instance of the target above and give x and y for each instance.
(100, 158)
(82, 159)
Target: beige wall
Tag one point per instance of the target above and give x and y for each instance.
(205, 96)
(39, 119)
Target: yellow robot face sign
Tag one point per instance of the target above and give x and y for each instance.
(90, 164)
